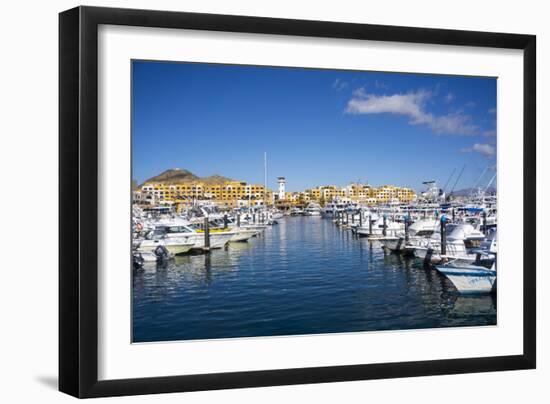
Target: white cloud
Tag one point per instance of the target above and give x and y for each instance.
(339, 84)
(359, 92)
(411, 104)
(449, 97)
(484, 149)
(454, 124)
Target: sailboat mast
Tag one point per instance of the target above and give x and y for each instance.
(265, 180)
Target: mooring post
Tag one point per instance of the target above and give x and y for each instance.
(484, 216)
(443, 236)
(370, 225)
(453, 210)
(206, 234)
(360, 218)
(225, 221)
(254, 217)
(238, 219)
(407, 221)
(384, 225)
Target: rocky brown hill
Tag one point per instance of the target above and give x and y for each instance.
(179, 176)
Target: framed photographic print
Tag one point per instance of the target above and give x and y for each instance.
(251, 201)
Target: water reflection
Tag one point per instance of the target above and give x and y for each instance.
(302, 276)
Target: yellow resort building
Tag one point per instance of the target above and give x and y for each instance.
(362, 193)
(389, 193)
(231, 194)
(227, 194)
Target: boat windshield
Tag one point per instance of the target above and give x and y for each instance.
(157, 234)
(176, 229)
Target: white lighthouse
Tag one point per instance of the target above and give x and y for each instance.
(282, 182)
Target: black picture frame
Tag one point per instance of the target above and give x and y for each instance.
(78, 196)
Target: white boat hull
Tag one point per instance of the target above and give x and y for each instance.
(469, 279)
(149, 246)
(243, 235)
(217, 240)
(178, 249)
(394, 243)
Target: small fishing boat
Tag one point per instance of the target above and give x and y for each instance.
(160, 237)
(159, 255)
(313, 209)
(296, 212)
(376, 229)
(429, 249)
(470, 278)
(179, 229)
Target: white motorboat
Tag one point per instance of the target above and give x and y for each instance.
(418, 231)
(470, 278)
(332, 208)
(276, 214)
(377, 227)
(429, 249)
(312, 209)
(159, 237)
(178, 228)
(296, 212)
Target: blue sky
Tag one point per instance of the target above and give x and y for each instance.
(318, 127)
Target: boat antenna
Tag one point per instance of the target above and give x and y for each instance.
(477, 182)
(265, 180)
(490, 182)
(457, 179)
(449, 179)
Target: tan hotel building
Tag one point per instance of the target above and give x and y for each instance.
(236, 193)
(226, 194)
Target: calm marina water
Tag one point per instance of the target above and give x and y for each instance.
(303, 276)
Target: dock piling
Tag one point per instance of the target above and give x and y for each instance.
(206, 234)
(443, 236)
(370, 225)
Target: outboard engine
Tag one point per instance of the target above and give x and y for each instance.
(162, 253)
(138, 261)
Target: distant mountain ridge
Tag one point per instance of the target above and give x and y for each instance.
(179, 176)
(468, 191)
